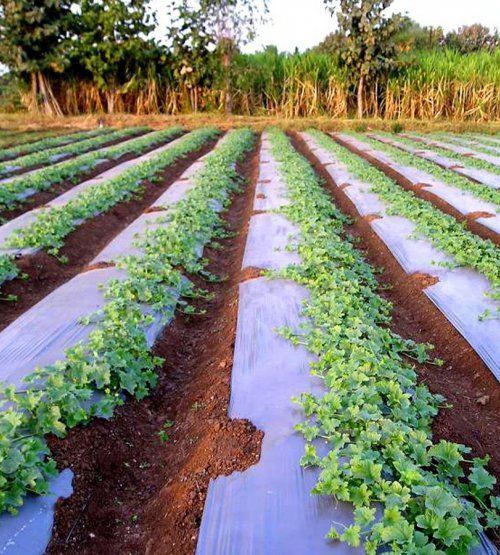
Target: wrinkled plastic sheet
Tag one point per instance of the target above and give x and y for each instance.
(268, 508)
(491, 223)
(463, 201)
(29, 217)
(460, 293)
(63, 199)
(244, 512)
(267, 241)
(462, 150)
(482, 176)
(7, 179)
(270, 190)
(473, 143)
(366, 203)
(267, 170)
(41, 335)
(271, 195)
(7, 229)
(125, 243)
(28, 192)
(29, 532)
(489, 138)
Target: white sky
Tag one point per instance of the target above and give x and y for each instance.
(304, 23)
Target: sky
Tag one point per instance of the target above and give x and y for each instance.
(304, 23)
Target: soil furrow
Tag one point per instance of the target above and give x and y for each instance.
(45, 273)
(423, 193)
(465, 381)
(133, 493)
(43, 197)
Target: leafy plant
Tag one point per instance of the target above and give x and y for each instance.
(116, 359)
(12, 192)
(374, 417)
(52, 154)
(163, 435)
(397, 127)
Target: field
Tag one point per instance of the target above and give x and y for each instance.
(227, 339)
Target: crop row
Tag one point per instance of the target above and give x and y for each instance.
(466, 161)
(444, 231)
(471, 143)
(479, 190)
(53, 154)
(491, 140)
(117, 357)
(50, 142)
(458, 145)
(12, 138)
(43, 179)
(51, 226)
(375, 419)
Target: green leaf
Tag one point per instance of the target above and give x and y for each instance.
(449, 531)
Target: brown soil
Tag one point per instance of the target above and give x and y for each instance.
(134, 494)
(479, 214)
(423, 193)
(369, 217)
(43, 197)
(45, 272)
(20, 171)
(464, 379)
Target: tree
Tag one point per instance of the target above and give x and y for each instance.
(191, 50)
(32, 35)
(412, 36)
(226, 25)
(367, 49)
(330, 45)
(112, 43)
(471, 38)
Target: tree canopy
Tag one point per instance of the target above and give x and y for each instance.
(367, 47)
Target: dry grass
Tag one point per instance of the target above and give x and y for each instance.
(25, 121)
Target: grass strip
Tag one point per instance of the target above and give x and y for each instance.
(409, 494)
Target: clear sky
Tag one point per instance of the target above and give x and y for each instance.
(304, 23)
